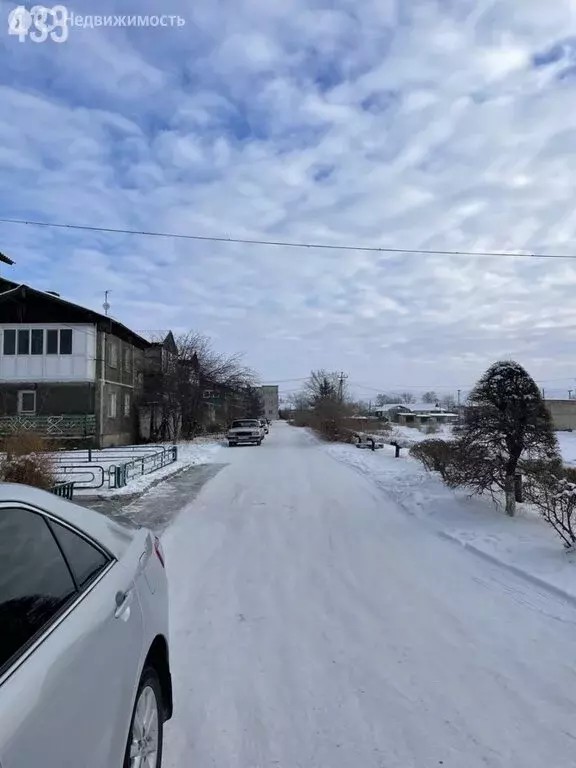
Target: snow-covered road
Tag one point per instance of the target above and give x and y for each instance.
(316, 625)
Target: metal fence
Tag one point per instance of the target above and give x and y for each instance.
(142, 465)
(49, 426)
(65, 490)
(115, 467)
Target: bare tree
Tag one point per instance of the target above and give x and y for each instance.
(407, 397)
(185, 389)
(386, 399)
(325, 404)
(213, 379)
(430, 397)
(321, 387)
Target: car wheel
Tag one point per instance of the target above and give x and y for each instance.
(144, 748)
(231, 445)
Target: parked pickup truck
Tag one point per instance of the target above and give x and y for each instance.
(245, 432)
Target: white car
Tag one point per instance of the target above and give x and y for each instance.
(245, 432)
(84, 662)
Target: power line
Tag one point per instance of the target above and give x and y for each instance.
(432, 387)
(287, 243)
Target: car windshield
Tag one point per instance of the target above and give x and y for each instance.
(245, 423)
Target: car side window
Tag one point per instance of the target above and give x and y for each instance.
(84, 559)
(35, 581)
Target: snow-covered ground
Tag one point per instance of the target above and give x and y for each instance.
(526, 543)
(315, 624)
(566, 440)
(189, 454)
(567, 443)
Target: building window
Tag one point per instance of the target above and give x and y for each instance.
(57, 342)
(37, 341)
(23, 342)
(112, 405)
(127, 366)
(10, 342)
(126, 405)
(51, 342)
(27, 401)
(113, 356)
(66, 341)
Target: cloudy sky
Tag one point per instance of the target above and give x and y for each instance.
(435, 124)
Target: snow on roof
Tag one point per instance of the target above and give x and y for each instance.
(414, 407)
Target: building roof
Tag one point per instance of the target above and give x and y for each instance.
(11, 292)
(5, 260)
(414, 407)
(439, 413)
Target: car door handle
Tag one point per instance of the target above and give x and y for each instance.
(123, 601)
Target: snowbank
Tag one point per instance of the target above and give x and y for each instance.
(525, 544)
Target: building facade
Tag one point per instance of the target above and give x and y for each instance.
(416, 414)
(271, 401)
(66, 372)
(159, 405)
(563, 413)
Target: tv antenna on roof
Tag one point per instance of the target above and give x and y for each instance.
(106, 305)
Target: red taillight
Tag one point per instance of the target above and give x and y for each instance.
(159, 552)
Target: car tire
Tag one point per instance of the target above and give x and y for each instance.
(149, 694)
(232, 445)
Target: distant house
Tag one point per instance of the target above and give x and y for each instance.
(159, 404)
(66, 371)
(417, 414)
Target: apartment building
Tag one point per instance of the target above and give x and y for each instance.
(66, 372)
(271, 401)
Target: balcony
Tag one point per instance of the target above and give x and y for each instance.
(50, 426)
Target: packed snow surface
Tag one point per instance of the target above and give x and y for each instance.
(315, 624)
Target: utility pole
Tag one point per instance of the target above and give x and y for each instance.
(342, 378)
(570, 394)
(459, 409)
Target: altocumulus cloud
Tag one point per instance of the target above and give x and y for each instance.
(433, 124)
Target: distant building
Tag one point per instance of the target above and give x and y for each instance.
(417, 414)
(563, 413)
(270, 398)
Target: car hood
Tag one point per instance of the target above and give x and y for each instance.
(113, 536)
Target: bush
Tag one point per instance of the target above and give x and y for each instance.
(25, 443)
(431, 428)
(551, 487)
(461, 464)
(27, 461)
(436, 455)
(215, 429)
